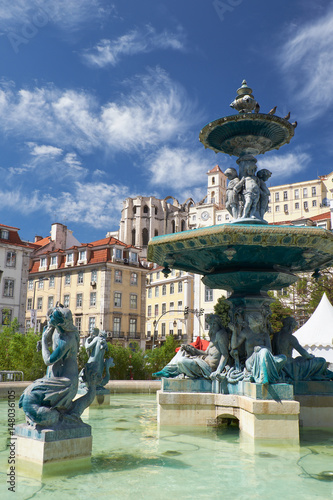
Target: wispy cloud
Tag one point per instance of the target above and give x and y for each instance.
(307, 60)
(177, 168)
(109, 52)
(285, 166)
(65, 14)
(154, 110)
(94, 204)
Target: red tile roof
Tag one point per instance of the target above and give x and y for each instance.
(324, 216)
(214, 170)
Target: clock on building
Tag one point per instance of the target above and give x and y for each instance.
(205, 215)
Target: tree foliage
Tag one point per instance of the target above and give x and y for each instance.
(279, 312)
(222, 308)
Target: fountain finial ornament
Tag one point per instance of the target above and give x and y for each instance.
(244, 102)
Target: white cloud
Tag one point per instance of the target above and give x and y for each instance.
(178, 168)
(26, 16)
(284, 166)
(109, 52)
(44, 150)
(155, 110)
(94, 204)
(307, 60)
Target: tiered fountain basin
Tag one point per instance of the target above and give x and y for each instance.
(246, 134)
(244, 258)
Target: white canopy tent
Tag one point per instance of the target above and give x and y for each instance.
(316, 335)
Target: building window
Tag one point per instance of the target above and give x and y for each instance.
(69, 258)
(164, 290)
(306, 205)
(269, 209)
(82, 255)
(43, 262)
(285, 195)
(40, 303)
(163, 308)
(133, 301)
(67, 279)
(171, 328)
(150, 293)
(277, 196)
(119, 254)
(79, 300)
(30, 284)
(134, 279)
(6, 316)
(208, 294)
(11, 259)
(92, 323)
(40, 284)
(133, 257)
(4, 234)
(156, 310)
(132, 327)
(8, 290)
(314, 203)
(29, 304)
(305, 192)
(51, 281)
(149, 311)
(194, 218)
(80, 278)
(94, 275)
(180, 304)
(116, 325)
(314, 191)
(92, 299)
(180, 286)
(157, 291)
(78, 324)
(118, 276)
(172, 306)
(66, 300)
(285, 208)
(277, 208)
(117, 299)
(219, 218)
(50, 302)
(296, 193)
(163, 330)
(296, 206)
(53, 261)
(172, 288)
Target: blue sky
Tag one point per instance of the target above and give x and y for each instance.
(101, 100)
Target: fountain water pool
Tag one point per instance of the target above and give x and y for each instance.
(133, 458)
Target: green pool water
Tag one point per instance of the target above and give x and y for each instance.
(133, 459)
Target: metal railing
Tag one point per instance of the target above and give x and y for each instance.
(11, 376)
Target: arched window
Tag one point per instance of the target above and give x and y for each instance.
(156, 232)
(145, 237)
(156, 210)
(134, 210)
(183, 225)
(213, 180)
(212, 200)
(133, 237)
(173, 226)
(145, 209)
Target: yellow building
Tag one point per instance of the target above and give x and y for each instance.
(169, 306)
(300, 200)
(102, 282)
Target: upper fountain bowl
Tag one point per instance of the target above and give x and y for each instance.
(247, 133)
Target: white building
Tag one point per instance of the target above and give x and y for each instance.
(14, 268)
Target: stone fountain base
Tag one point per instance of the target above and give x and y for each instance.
(263, 411)
(40, 448)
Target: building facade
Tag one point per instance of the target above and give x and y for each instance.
(14, 268)
(102, 282)
(169, 306)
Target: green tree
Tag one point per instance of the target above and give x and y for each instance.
(157, 358)
(279, 312)
(222, 308)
